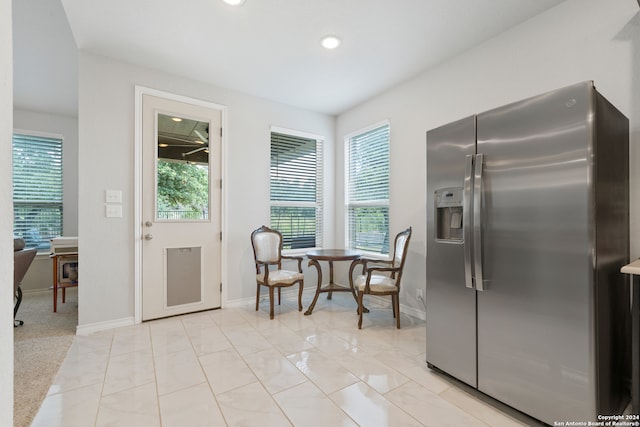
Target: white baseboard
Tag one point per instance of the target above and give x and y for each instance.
(103, 326)
(413, 312)
(386, 301)
(264, 296)
(241, 302)
(32, 291)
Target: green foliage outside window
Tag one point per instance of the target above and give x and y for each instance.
(183, 190)
(297, 225)
(369, 229)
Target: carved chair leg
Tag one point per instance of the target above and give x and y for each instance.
(16, 307)
(18, 297)
(393, 305)
(271, 302)
(360, 310)
(300, 296)
(279, 289)
(397, 305)
(258, 297)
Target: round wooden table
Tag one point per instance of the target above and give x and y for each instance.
(331, 255)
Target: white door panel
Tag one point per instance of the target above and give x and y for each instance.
(181, 199)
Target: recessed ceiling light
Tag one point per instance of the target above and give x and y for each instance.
(330, 42)
(234, 2)
(176, 119)
(162, 145)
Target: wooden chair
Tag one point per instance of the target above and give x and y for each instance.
(267, 251)
(387, 279)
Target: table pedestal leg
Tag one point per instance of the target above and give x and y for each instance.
(330, 279)
(331, 286)
(315, 298)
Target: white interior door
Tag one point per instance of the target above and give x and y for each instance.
(181, 207)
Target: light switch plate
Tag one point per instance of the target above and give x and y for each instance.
(113, 211)
(113, 196)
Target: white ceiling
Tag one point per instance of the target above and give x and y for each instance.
(267, 48)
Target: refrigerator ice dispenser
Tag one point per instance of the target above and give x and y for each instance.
(448, 208)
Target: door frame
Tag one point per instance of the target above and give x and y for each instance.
(137, 191)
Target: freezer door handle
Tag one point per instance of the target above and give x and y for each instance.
(477, 221)
(466, 220)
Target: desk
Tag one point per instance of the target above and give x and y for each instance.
(331, 255)
(634, 270)
(57, 257)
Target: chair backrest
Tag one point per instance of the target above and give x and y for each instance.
(267, 245)
(22, 259)
(400, 249)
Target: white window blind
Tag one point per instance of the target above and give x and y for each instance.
(37, 189)
(367, 157)
(296, 190)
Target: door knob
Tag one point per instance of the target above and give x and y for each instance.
(148, 223)
(148, 236)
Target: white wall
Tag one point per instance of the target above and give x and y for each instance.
(39, 275)
(576, 41)
(6, 211)
(106, 134)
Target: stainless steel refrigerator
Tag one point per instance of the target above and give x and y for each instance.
(527, 228)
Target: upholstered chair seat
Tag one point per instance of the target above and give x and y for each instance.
(280, 276)
(376, 284)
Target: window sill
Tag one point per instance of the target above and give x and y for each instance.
(375, 255)
(297, 252)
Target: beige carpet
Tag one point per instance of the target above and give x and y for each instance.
(40, 346)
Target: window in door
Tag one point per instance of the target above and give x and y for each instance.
(367, 189)
(296, 189)
(182, 169)
(37, 188)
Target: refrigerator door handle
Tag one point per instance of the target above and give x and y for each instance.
(477, 221)
(466, 220)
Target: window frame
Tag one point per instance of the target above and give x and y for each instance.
(320, 176)
(376, 203)
(26, 134)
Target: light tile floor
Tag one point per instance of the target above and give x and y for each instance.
(236, 367)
